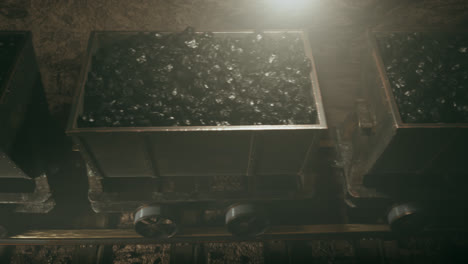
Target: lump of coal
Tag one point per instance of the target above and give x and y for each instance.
(198, 79)
(428, 73)
(9, 47)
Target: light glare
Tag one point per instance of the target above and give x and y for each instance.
(288, 5)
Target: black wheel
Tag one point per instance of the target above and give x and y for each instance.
(149, 222)
(246, 220)
(407, 218)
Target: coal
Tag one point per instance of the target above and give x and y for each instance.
(242, 252)
(144, 254)
(199, 79)
(45, 254)
(428, 73)
(9, 47)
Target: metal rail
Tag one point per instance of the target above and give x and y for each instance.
(211, 234)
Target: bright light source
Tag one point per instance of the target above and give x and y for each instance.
(289, 5)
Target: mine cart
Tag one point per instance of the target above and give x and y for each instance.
(23, 117)
(210, 121)
(406, 142)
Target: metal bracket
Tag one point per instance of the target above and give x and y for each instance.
(39, 201)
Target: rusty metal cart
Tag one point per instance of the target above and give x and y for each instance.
(23, 115)
(406, 168)
(164, 170)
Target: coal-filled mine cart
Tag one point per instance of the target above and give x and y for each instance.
(23, 111)
(408, 138)
(226, 120)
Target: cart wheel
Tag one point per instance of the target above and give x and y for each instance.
(149, 222)
(3, 232)
(245, 220)
(406, 218)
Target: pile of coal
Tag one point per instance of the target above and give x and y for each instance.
(241, 252)
(44, 254)
(155, 253)
(428, 73)
(198, 79)
(9, 46)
